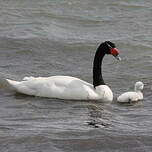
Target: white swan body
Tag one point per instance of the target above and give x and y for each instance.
(133, 96)
(62, 87)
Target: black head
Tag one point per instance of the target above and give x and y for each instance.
(109, 48)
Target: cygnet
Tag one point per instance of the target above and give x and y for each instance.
(133, 96)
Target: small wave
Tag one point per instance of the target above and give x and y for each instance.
(130, 5)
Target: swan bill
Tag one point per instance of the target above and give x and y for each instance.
(118, 57)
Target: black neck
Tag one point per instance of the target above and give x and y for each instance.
(97, 68)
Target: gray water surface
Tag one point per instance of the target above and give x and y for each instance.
(60, 37)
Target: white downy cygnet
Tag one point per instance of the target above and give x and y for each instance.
(133, 96)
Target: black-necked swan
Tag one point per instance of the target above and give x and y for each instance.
(67, 87)
(133, 96)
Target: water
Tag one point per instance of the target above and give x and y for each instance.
(52, 37)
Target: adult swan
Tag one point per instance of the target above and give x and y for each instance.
(67, 87)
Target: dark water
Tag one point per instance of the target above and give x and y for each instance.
(59, 37)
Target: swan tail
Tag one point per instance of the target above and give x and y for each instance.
(21, 87)
(13, 84)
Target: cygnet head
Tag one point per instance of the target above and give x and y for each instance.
(139, 86)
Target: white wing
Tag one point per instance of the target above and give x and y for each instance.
(63, 87)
